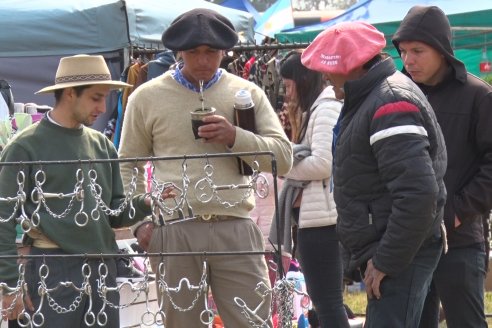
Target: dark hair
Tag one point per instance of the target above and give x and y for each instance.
(78, 91)
(309, 84)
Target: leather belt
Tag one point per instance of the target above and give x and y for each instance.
(211, 217)
(204, 218)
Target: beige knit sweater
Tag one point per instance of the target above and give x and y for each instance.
(157, 123)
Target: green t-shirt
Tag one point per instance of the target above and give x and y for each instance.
(46, 141)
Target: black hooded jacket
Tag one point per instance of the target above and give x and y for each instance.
(463, 106)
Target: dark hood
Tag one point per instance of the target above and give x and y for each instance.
(430, 25)
(160, 64)
(165, 58)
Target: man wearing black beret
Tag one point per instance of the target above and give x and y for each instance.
(157, 123)
(200, 27)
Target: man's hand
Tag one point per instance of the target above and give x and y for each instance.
(217, 129)
(143, 234)
(167, 193)
(7, 301)
(372, 279)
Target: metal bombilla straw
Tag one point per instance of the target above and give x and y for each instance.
(202, 98)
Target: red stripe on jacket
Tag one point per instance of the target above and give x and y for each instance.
(397, 107)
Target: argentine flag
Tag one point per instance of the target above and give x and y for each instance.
(277, 18)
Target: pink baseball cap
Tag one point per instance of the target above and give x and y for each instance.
(342, 47)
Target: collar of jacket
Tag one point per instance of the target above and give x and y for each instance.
(449, 77)
(356, 91)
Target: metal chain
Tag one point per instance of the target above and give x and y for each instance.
(19, 199)
(44, 290)
(251, 315)
(283, 294)
(77, 193)
(18, 290)
(103, 289)
(206, 189)
(158, 187)
(164, 288)
(96, 191)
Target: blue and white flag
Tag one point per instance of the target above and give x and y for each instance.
(277, 18)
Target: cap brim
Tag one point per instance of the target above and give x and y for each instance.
(112, 85)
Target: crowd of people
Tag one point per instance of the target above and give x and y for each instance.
(387, 179)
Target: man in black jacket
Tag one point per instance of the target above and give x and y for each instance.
(389, 164)
(463, 106)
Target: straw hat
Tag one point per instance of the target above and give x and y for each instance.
(82, 70)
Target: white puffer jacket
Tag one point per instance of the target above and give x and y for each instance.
(317, 206)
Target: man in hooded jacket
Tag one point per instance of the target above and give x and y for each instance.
(463, 106)
(389, 164)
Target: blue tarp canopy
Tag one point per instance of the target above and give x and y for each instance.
(36, 33)
(149, 18)
(54, 27)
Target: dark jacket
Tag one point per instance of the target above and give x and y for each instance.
(160, 64)
(463, 106)
(390, 160)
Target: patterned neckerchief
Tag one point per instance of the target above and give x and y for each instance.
(180, 78)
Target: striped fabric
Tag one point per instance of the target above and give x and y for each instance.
(403, 129)
(394, 108)
(400, 107)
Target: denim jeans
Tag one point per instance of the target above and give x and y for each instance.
(403, 296)
(319, 256)
(459, 284)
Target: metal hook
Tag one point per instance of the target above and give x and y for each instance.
(207, 315)
(24, 319)
(89, 318)
(40, 321)
(21, 178)
(81, 219)
(102, 318)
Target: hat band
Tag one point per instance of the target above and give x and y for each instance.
(83, 78)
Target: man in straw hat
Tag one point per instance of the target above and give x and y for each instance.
(389, 163)
(158, 114)
(81, 86)
(463, 105)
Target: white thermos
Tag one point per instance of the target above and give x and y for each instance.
(244, 117)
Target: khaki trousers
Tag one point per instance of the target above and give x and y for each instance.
(228, 276)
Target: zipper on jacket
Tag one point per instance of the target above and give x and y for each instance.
(370, 214)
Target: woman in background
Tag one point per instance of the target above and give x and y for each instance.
(314, 111)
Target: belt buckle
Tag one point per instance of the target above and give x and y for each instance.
(206, 217)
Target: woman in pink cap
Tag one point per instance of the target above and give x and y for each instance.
(389, 163)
